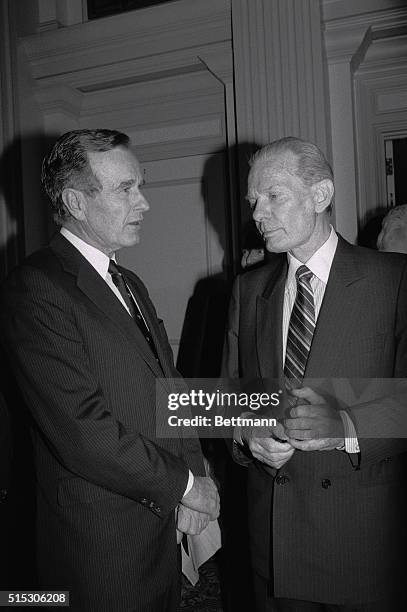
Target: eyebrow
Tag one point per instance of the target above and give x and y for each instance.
(125, 184)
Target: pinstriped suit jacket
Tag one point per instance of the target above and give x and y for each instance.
(327, 532)
(107, 488)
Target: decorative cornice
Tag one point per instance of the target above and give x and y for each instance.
(339, 9)
(59, 98)
(184, 24)
(118, 73)
(388, 50)
(349, 38)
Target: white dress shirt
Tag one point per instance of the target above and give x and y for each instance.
(100, 261)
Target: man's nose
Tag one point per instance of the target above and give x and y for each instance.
(141, 202)
(260, 210)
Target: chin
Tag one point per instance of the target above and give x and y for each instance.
(273, 247)
(132, 240)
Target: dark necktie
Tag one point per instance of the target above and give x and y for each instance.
(121, 283)
(301, 328)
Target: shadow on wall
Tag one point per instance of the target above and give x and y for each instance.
(200, 355)
(17, 503)
(11, 203)
(202, 336)
(20, 177)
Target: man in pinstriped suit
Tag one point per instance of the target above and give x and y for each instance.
(107, 489)
(326, 503)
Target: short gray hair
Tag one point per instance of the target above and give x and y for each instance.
(311, 164)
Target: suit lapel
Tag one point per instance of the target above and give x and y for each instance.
(269, 317)
(95, 288)
(342, 299)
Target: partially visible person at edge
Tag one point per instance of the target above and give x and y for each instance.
(393, 236)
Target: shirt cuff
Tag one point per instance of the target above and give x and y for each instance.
(351, 440)
(190, 483)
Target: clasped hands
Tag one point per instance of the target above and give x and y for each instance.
(313, 424)
(198, 507)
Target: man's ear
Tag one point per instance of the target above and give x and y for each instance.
(323, 192)
(75, 202)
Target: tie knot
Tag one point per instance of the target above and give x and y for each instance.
(113, 269)
(303, 273)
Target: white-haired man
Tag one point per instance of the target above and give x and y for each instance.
(393, 237)
(326, 503)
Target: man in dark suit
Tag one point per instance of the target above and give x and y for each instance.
(326, 484)
(88, 352)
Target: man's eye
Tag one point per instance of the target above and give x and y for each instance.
(272, 195)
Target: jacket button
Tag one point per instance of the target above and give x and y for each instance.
(326, 483)
(280, 480)
(158, 509)
(151, 505)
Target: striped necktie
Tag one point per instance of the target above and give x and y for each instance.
(121, 283)
(301, 328)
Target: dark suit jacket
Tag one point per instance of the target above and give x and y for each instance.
(336, 531)
(107, 487)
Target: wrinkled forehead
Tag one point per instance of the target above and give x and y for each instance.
(264, 171)
(108, 165)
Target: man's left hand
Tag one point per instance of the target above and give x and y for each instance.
(191, 521)
(314, 425)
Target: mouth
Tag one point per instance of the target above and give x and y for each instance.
(268, 232)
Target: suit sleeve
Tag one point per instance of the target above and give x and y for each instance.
(52, 368)
(192, 451)
(382, 424)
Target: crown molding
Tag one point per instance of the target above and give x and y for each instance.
(339, 9)
(350, 38)
(59, 98)
(387, 55)
(185, 24)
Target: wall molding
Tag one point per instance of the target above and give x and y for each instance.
(360, 47)
(138, 34)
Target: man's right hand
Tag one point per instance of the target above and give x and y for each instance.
(203, 497)
(265, 447)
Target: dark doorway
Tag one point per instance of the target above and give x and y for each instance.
(396, 171)
(103, 8)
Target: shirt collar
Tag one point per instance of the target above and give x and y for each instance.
(321, 261)
(97, 259)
